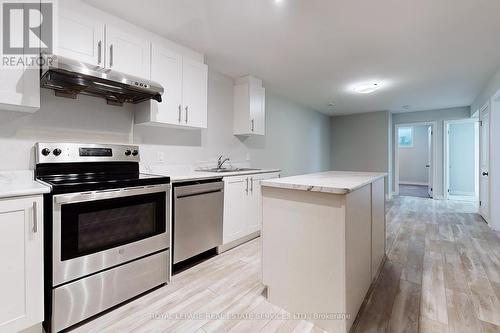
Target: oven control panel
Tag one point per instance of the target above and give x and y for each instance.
(81, 152)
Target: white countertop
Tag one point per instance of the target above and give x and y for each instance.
(336, 182)
(20, 183)
(200, 175)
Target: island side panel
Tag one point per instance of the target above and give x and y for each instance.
(378, 225)
(358, 250)
(303, 239)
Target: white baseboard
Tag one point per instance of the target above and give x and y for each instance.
(237, 242)
(413, 183)
(470, 198)
(439, 197)
(462, 193)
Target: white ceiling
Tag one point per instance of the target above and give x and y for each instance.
(429, 53)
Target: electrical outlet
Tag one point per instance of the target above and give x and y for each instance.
(160, 157)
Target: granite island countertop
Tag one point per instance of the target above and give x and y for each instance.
(20, 183)
(334, 182)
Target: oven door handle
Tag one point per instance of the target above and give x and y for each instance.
(109, 194)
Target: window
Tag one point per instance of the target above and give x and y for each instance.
(405, 135)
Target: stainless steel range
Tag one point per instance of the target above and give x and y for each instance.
(107, 229)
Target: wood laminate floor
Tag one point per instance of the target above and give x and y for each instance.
(442, 275)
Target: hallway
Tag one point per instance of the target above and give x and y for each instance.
(442, 272)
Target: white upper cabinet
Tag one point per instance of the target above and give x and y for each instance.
(21, 255)
(19, 85)
(249, 107)
(194, 93)
(127, 53)
(184, 101)
(80, 38)
(20, 89)
(98, 43)
(167, 70)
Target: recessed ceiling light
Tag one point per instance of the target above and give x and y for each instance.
(367, 87)
(331, 105)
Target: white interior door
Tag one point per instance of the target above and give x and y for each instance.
(484, 183)
(430, 163)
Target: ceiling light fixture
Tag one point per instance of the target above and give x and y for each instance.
(367, 87)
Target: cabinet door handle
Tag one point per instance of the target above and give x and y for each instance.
(35, 217)
(180, 112)
(99, 52)
(111, 55)
(187, 111)
(251, 184)
(252, 124)
(246, 190)
(485, 173)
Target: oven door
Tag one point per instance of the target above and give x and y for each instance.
(94, 231)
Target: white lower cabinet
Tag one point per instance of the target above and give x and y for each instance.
(21, 255)
(243, 205)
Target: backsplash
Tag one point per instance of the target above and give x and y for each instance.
(290, 129)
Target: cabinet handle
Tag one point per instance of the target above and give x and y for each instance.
(180, 112)
(251, 184)
(111, 55)
(187, 110)
(35, 217)
(252, 124)
(99, 52)
(246, 190)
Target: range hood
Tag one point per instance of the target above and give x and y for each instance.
(70, 77)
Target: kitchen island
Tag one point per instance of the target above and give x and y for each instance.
(323, 243)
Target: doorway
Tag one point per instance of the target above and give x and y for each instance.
(414, 159)
(484, 164)
(461, 160)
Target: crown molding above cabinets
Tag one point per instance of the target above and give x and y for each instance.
(249, 107)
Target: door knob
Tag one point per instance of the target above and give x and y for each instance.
(485, 173)
(427, 166)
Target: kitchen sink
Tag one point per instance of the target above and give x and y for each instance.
(229, 169)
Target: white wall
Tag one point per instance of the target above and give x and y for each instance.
(462, 159)
(297, 139)
(439, 116)
(490, 90)
(412, 160)
(360, 142)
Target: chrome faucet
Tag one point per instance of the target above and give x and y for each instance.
(220, 161)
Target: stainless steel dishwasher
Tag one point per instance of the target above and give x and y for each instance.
(197, 217)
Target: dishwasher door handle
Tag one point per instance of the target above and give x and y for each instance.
(183, 191)
(180, 196)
